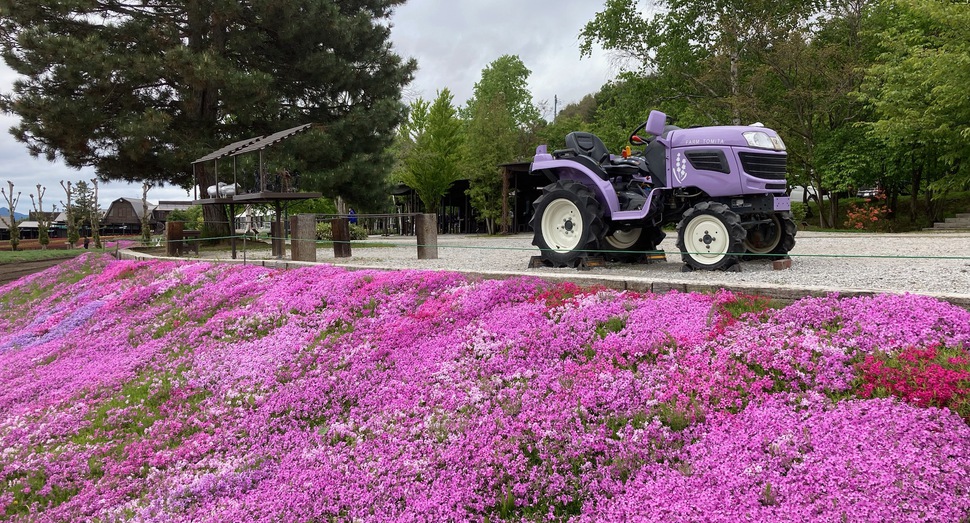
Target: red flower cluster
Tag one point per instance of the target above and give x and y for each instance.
(931, 377)
(566, 292)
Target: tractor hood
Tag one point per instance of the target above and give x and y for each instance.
(729, 136)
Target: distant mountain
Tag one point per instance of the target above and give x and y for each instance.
(16, 215)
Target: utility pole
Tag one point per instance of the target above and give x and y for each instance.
(555, 107)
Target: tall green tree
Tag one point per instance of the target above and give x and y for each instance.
(491, 140)
(918, 87)
(501, 118)
(138, 89)
(432, 163)
(83, 207)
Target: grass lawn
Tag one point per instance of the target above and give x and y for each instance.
(37, 255)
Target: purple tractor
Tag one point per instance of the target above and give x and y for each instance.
(724, 187)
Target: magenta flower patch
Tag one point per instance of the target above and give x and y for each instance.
(160, 391)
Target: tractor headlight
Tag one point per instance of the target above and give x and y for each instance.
(761, 140)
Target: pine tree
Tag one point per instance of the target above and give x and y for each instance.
(82, 207)
(139, 89)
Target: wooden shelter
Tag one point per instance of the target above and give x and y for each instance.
(262, 190)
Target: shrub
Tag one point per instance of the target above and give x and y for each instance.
(325, 232)
(799, 211)
(869, 216)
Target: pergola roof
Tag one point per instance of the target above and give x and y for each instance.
(271, 139)
(229, 149)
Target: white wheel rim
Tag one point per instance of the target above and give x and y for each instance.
(769, 247)
(562, 225)
(706, 240)
(624, 239)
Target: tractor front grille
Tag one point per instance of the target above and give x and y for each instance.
(765, 166)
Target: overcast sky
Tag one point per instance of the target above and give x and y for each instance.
(452, 42)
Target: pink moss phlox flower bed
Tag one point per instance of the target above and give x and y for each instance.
(165, 391)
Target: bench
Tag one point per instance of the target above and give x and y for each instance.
(188, 243)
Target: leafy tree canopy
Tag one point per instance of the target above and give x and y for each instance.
(918, 84)
(507, 77)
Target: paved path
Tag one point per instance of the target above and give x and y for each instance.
(936, 264)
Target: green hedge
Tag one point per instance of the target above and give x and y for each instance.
(325, 232)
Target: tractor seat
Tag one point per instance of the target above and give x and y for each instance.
(590, 146)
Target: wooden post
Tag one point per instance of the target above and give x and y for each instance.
(173, 238)
(505, 200)
(232, 223)
(426, 229)
(303, 234)
(340, 233)
(278, 233)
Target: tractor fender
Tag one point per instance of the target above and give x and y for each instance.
(556, 170)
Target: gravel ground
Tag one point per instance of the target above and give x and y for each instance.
(925, 263)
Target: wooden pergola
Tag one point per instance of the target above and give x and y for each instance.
(261, 193)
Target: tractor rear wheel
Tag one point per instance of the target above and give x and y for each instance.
(631, 245)
(710, 236)
(773, 240)
(568, 223)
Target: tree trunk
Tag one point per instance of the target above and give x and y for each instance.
(505, 200)
(146, 233)
(914, 190)
(96, 218)
(928, 204)
(834, 209)
(206, 35)
(216, 220)
(892, 202)
(735, 85)
(817, 186)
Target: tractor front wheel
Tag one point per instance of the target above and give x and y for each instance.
(568, 223)
(710, 236)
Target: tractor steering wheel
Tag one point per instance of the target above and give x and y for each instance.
(636, 140)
